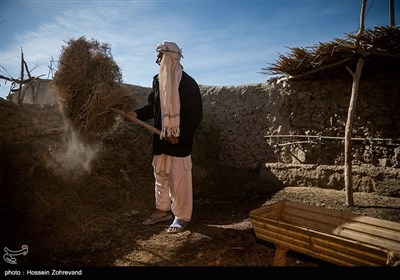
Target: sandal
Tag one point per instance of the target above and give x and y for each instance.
(177, 226)
(156, 218)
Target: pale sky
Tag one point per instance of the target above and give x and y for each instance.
(223, 42)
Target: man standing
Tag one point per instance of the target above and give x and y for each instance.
(175, 104)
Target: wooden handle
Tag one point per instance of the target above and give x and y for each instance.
(135, 120)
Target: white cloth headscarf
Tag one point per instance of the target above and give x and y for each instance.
(169, 78)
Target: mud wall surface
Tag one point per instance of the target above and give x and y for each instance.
(250, 124)
(22, 122)
(37, 92)
(247, 126)
(366, 178)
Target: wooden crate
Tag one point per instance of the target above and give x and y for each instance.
(334, 236)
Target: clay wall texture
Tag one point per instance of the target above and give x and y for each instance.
(237, 120)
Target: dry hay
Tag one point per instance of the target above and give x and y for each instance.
(380, 42)
(88, 83)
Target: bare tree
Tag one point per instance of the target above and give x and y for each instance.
(348, 178)
(22, 83)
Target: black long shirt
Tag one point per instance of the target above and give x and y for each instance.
(191, 113)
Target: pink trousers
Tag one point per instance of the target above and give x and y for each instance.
(173, 185)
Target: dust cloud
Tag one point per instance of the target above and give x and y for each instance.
(72, 158)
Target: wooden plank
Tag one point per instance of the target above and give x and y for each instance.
(332, 249)
(373, 234)
(366, 237)
(342, 215)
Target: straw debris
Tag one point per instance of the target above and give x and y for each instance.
(88, 83)
(380, 45)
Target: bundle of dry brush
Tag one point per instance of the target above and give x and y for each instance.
(380, 46)
(88, 83)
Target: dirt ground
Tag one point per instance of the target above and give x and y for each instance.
(93, 219)
(221, 233)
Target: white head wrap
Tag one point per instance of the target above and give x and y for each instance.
(169, 79)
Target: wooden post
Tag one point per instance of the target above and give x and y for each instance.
(20, 97)
(391, 13)
(280, 256)
(348, 178)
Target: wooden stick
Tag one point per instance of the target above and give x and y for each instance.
(135, 120)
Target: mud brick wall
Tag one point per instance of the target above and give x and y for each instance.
(240, 117)
(366, 178)
(237, 120)
(21, 122)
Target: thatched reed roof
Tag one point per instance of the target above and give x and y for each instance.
(380, 46)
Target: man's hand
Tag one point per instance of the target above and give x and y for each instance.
(129, 115)
(172, 139)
